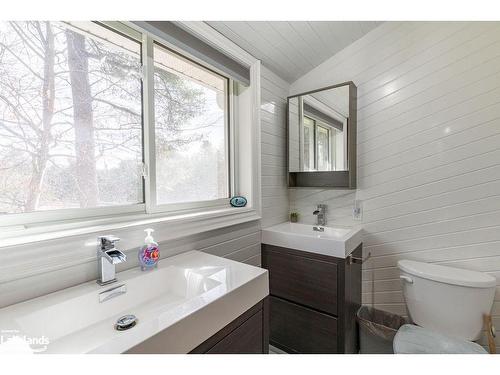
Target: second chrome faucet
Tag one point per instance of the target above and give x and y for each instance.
(320, 213)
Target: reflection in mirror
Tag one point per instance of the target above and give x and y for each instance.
(318, 131)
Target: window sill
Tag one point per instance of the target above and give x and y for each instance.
(167, 226)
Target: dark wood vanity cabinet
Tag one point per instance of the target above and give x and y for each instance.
(313, 300)
(247, 334)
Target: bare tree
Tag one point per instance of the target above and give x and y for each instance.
(41, 158)
(83, 119)
(32, 133)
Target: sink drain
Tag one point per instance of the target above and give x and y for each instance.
(126, 322)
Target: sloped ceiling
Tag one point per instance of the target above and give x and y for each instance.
(292, 48)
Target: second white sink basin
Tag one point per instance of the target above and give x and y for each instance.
(334, 241)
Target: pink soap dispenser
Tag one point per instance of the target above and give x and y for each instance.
(149, 253)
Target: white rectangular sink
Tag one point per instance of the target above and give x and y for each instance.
(334, 241)
(193, 293)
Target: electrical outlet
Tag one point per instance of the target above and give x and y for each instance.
(357, 210)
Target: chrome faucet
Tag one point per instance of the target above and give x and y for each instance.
(320, 213)
(107, 257)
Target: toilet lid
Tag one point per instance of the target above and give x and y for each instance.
(412, 339)
(448, 275)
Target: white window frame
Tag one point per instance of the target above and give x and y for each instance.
(152, 205)
(16, 225)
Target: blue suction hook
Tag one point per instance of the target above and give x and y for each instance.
(238, 201)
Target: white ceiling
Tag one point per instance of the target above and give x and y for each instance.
(292, 48)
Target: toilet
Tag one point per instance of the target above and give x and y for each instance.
(447, 300)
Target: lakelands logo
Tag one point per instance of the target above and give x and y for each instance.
(13, 340)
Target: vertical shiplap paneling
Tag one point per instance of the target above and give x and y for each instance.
(428, 150)
(273, 120)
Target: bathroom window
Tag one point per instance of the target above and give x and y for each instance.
(90, 126)
(70, 117)
(191, 132)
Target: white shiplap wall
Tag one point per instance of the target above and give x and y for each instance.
(428, 150)
(273, 138)
(239, 242)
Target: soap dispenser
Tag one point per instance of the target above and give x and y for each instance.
(149, 253)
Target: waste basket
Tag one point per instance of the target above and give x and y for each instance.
(377, 329)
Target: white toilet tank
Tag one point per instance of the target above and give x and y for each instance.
(448, 300)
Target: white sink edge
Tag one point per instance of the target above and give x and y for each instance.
(197, 316)
(224, 309)
(340, 248)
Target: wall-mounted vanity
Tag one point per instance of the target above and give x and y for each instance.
(315, 287)
(322, 137)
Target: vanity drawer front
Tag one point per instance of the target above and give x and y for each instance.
(247, 334)
(246, 339)
(310, 282)
(301, 330)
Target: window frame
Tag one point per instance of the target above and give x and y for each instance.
(150, 208)
(154, 206)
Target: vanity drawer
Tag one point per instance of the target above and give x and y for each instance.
(298, 329)
(246, 339)
(247, 334)
(308, 281)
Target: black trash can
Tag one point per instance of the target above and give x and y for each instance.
(377, 329)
